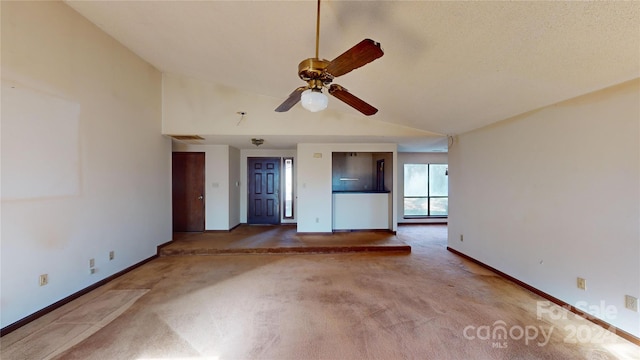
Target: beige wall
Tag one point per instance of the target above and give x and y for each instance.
(553, 195)
(85, 169)
(314, 185)
(192, 106)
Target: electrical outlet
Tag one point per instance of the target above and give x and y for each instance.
(631, 302)
(461, 237)
(317, 220)
(92, 271)
(112, 255)
(92, 263)
(582, 284)
(44, 279)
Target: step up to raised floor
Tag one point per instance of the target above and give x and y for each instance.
(177, 251)
(247, 239)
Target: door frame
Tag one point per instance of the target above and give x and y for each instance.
(201, 186)
(279, 185)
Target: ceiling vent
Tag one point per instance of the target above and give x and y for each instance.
(187, 137)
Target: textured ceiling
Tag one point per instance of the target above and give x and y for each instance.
(449, 67)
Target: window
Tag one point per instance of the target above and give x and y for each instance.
(288, 188)
(426, 190)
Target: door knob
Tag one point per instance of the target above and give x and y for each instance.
(200, 197)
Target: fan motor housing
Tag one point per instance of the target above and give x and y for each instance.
(314, 69)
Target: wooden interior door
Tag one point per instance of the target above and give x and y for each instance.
(188, 191)
(263, 190)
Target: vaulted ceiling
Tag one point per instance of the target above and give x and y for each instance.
(448, 67)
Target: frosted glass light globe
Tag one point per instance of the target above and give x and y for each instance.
(314, 100)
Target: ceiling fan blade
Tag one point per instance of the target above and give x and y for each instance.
(293, 99)
(351, 100)
(363, 53)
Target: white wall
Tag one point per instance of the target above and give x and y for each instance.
(415, 158)
(246, 153)
(192, 106)
(553, 195)
(85, 169)
(220, 188)
(315, 194)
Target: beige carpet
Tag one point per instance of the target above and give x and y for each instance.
(73, 327)
(429, 304)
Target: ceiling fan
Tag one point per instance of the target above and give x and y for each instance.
(319, 73)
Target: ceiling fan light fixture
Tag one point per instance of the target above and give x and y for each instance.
(319, 73)
(314, 100)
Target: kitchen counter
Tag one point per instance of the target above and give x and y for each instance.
(361, 210)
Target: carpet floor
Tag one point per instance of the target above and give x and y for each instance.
(426, 304)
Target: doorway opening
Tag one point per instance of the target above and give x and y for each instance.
(263, 190)
(187, 173)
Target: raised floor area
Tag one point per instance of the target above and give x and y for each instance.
(281, 239)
